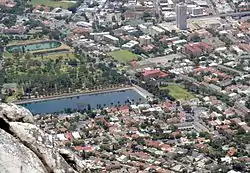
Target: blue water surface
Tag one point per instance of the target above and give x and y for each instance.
(81, 102)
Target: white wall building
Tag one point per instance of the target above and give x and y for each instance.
(143, 28)
(111, 39)
(154, 30)
(130, 44)
(167, 6)
(56, 12)
(97, 36)
(169, 15)
(84, 24)
(195, 10)
(145, 40)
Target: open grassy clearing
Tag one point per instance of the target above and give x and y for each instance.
(51, 3)
(178, 92)
(123, 55)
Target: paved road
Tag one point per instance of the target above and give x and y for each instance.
(68, 95)
(142, 91)
(224, 15)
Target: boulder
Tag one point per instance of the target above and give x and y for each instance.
(38, 142)
(16, 157)
(72, 158)
(26, 148)
(11, 112)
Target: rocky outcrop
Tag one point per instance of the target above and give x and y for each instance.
(12, 112)
(42, 145)
(28, 148)
(72, 159)
(15, 157)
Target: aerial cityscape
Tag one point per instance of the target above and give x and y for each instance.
(129, 86)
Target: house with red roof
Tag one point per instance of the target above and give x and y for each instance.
(135, 136)
(124, 109)
(232, 151)
(148, 48)
(245, 47)
(151, 143)
(196, 49)
(88, 148)
(133, 64)
(68, 136)
(164, 39)
(140, 155)
(155, 73)
(78, 148)
(81, 30)
(166, 147)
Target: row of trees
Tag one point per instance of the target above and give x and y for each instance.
(50, 76)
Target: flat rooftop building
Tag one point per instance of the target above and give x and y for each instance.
(111, 39)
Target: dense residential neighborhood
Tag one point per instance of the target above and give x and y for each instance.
(132, 86)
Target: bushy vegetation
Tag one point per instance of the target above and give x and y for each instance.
(58, 73)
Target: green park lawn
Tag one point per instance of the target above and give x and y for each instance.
(178, 92)
(52, 3)
(123, 55)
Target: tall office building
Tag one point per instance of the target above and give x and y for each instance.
(181, 16)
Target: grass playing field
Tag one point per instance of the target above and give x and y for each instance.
(178, 92)
(123, 55)
(51, 3)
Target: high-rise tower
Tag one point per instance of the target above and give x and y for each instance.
(181, 16)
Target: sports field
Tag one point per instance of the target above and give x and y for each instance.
(123, 55)
(178, 92)
(51, 3)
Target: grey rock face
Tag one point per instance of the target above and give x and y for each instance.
(24, 148)
(33, 137)
(17, 158)
(12, 112)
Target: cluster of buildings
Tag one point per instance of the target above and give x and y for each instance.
(197, 49)
(123, 138)
(156, 137)
(208, 56)
(56, 12)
